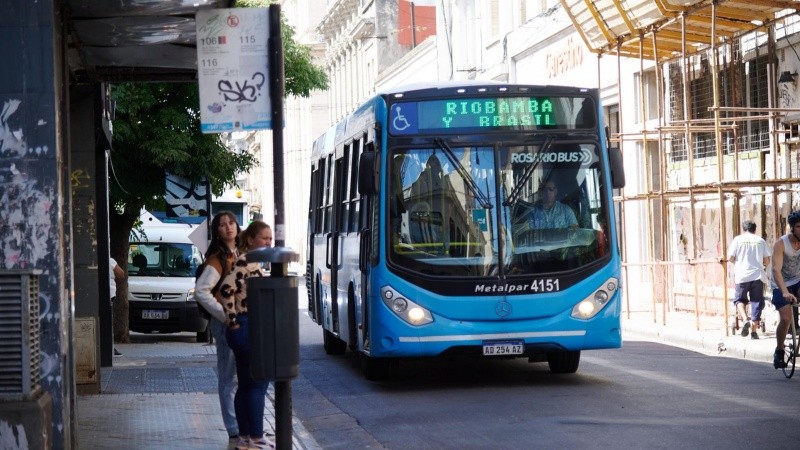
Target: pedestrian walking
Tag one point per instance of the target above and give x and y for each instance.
(115, 273)
(251, 394)
(222, 251)
(750, 256)
(785, 282)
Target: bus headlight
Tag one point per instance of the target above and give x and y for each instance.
(190, 295)
(593, 304)
(407, 310)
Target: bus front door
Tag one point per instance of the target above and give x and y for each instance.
(334, 244)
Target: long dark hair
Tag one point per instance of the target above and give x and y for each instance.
(217, 246)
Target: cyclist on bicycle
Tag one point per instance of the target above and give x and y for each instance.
(785, 281)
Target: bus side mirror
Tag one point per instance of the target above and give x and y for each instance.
(617, 171)
(368, 173)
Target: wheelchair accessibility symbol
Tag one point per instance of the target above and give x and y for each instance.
(403, 119)
(400, 123)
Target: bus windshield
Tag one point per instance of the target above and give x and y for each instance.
(496, 210)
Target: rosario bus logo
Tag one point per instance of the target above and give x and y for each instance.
(582, 156)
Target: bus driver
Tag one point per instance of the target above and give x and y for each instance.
(549, 212)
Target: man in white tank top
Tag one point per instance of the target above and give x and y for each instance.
(785, 282)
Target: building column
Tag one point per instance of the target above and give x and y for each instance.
(34, 213)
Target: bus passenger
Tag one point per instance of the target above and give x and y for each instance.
(222, 250)
(251, 395)
(785, 282)
(549, 212)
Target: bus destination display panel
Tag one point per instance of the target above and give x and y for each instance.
(488, 114)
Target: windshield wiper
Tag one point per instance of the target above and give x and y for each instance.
(520, 184)
(479, 195)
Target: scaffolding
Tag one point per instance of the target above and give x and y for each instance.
(715, 140)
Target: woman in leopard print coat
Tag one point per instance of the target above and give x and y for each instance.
(251, 394)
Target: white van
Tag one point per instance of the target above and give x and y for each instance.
(161, 268)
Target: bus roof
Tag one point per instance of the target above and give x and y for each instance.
(473, 87)
(437, 85)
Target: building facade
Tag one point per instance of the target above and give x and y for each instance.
(692, 174)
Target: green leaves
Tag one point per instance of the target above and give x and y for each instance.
(157, 131)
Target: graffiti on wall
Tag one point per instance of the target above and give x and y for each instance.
(786, 94)
(84, 224)
(29, 228)
(24, 206)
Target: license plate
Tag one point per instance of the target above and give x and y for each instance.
(149, 314)
(500, 348)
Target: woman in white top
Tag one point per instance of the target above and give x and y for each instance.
(222, 251)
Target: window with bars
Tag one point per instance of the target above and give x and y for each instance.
(757, 137)
(740, 84)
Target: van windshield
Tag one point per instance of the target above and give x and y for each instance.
(163, 260)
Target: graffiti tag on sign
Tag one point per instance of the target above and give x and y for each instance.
(242, 91)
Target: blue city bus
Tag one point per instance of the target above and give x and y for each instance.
(466, 219)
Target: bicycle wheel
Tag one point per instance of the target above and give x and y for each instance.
(790, 348)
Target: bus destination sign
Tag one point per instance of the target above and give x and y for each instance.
(486, 114)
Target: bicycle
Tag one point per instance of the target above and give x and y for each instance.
(790, 348)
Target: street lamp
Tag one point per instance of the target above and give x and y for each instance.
(787, 77)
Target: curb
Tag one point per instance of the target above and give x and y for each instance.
(713, 342)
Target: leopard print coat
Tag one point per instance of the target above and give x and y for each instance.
(233, 290)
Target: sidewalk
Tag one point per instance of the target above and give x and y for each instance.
(162, 393)
(682, 331)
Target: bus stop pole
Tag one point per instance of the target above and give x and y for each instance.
(283, 389)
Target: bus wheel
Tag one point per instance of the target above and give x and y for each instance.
(377, 369)
(564, 362)
(333, 345)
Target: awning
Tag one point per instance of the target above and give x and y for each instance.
(606, 24)
(134, 40)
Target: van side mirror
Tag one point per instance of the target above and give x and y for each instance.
(369, 173)
(617, 170)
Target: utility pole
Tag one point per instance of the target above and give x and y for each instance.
(283, 388)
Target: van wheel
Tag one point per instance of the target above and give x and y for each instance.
(202, 336)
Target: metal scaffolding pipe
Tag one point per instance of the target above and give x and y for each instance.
(623, 242)
(695, 189)
(720, 159)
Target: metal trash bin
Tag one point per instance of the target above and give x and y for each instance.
(274, 335)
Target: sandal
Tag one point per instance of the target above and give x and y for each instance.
(242, 443)
(261, 443)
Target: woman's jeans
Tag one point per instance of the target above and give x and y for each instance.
(251, 395)
(226, 377)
